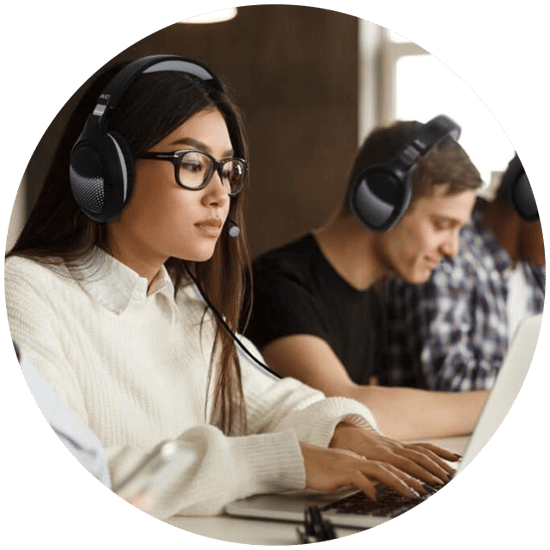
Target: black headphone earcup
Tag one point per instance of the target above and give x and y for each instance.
(101, 174)
(523, 199)
(378, 198)
(381, 193)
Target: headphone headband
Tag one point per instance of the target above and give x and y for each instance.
(115, 89)
(435, 131)
(428, 137)
(381, 193)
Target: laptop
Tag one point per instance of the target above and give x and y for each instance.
(351, 508)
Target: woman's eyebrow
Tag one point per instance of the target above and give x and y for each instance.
(196, 144)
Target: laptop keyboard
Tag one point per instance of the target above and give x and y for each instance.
(390, 504)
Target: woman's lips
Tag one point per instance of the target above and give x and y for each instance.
(210, 227)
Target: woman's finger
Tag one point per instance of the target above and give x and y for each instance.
(364, 484)
(414, 463)
(429, 460)
(418, 466)
(433, 457)
(385, 474)
(425, 457)
(413, 482)
(438, 451)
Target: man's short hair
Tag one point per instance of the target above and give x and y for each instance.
(447, 163)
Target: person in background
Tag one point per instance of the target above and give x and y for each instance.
(452, 333)
(106, 287)
(76, 436)
(84, 444)
(317, 314)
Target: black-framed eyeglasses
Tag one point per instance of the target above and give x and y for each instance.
(194, 169)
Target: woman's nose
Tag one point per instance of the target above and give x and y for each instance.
(215, 191)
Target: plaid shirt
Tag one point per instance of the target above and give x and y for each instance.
(452, 332)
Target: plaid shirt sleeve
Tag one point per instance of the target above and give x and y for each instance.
(463, 317)
(452, 332)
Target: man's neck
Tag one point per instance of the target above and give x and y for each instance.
(349, 248)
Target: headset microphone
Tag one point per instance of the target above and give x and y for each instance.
(234, 229)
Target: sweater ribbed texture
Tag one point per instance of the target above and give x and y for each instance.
(134, 367)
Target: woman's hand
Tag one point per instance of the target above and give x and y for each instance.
(423, 461)
(330, 469)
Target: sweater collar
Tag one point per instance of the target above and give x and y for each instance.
(114, 284)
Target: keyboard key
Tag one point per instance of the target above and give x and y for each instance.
(390, 504)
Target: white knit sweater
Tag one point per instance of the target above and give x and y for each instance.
(133, 365)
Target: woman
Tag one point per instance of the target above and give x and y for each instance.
(106, 304)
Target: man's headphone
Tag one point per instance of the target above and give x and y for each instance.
(515, 188)
(101, 164)
(381, 193)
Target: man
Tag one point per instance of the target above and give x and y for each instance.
(452, 333)
(316, 313)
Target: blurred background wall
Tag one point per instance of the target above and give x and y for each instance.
(311, 84)
(293, 71)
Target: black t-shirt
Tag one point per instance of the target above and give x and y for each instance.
(297, 291)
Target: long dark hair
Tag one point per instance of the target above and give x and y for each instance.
(57, 230)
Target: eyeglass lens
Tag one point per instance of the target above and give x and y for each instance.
(196, 169)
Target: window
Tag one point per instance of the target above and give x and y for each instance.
(405, 82)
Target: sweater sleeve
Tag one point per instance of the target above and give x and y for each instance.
(289, 405)
(43, 340)
(267, 459)
(227, 468)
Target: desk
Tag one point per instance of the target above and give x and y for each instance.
(270, 533)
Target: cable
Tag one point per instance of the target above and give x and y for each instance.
(236, 339)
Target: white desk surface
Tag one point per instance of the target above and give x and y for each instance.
(270, 533)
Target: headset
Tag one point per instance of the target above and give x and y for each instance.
(381, 193)
(516, 189)
(101, 167)
(256, 362)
